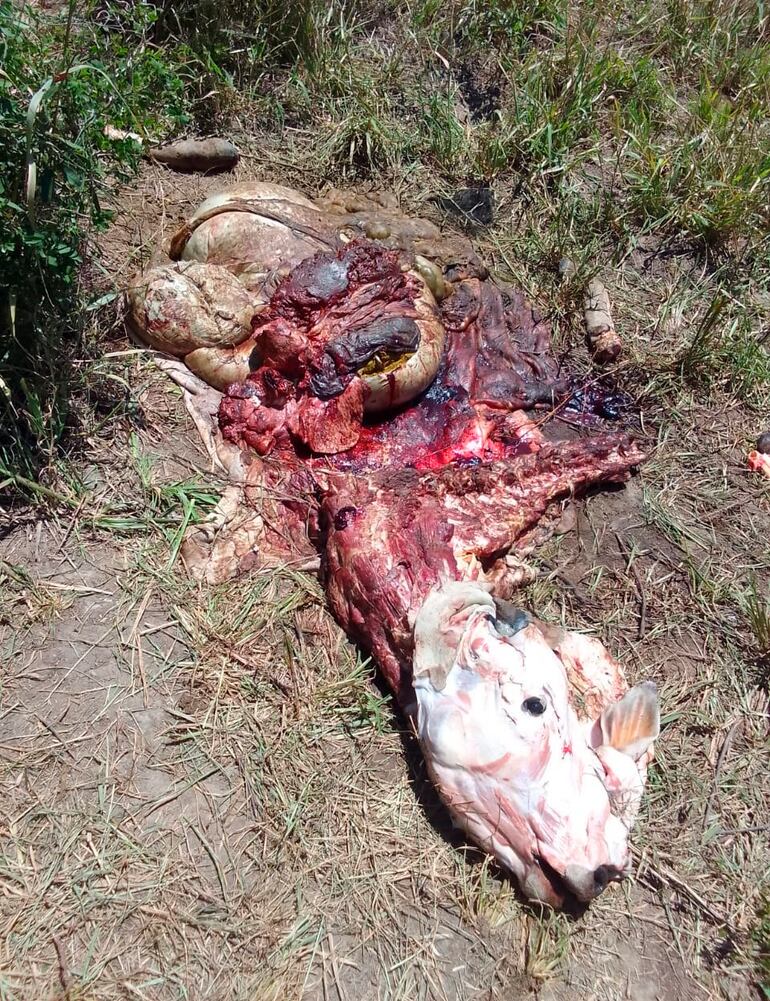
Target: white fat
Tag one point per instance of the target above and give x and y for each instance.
(461, 725)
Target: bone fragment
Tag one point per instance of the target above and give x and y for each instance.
(208, 156)
(118, 134)
(603, 339)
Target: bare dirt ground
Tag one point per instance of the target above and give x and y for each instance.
(206, 794)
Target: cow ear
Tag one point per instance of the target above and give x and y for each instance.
(440, 624)
(632, 724)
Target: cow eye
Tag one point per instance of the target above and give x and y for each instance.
(533, 706)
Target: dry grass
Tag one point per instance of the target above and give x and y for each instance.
(207, 794)
(236, 813)
(209, 797)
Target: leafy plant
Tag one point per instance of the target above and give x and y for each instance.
(60, 85)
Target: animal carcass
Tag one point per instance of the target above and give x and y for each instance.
(380, 402)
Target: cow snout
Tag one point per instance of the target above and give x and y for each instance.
(589, 883)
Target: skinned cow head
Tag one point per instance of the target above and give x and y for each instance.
(551, 796)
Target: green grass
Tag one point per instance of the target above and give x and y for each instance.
(761, 938)
(63, 80)
(758, 614)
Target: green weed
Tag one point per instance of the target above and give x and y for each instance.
(59, 87)
(247, 42)
(758, 614)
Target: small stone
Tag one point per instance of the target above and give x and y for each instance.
(763, 443)
(568, 520)
(473, 204)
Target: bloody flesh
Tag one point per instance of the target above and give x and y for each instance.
(325, 321)
(392, 535)
(441, 489)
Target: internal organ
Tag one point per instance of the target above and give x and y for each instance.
(344, 333)
(440, 489)
(340, 317)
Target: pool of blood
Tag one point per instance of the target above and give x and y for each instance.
(442, 427)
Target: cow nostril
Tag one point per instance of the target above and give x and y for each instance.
(589, 883)
(603, 875)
